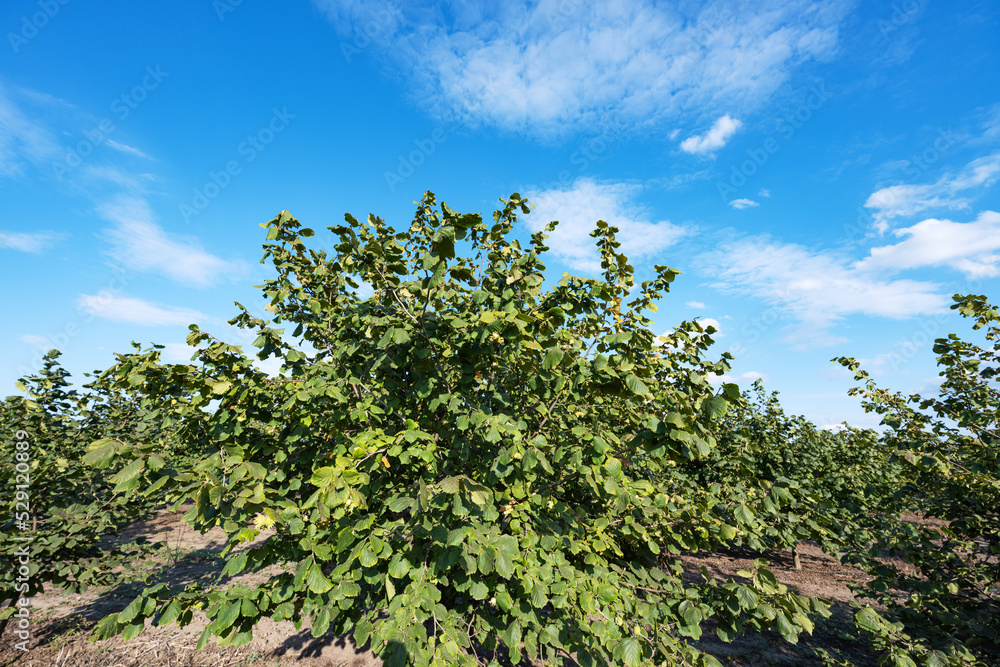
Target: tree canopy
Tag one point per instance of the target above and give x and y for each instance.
(457, 463)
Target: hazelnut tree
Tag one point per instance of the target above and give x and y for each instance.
(459, 466)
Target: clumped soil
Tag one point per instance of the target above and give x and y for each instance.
(62, 622)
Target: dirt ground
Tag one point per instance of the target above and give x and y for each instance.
(61, 623)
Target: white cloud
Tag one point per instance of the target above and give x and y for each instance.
(140, 244)
(21, 139)
(969, 247)
(740, 204)
(91, 175)
(123, 148)
(695, 304)
(678, 181)
(714, 139)
(25, 242)
(746, 378)
(551, 65)
(991, 125)
(117, 308)
(816, 288)
(908, 199)
(707, 322)
(581, 205)
(365, 290)
(270, 366)
(764, 192)
(40, 343)
(176, 353)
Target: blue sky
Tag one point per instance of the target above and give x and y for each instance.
(824, 174)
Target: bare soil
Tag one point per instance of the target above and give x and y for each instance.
(61, 623)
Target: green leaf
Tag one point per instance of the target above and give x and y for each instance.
(636, 386)
(316, 580)
(869, 621)
(367, 558)
(227, 616)
(743, 514)
(400, 504)
(450, 484)
(129, 472)
(323, 477)
(503, 563)
(731, 390)
(784, 627)
(398, 566)
(715, 407)
(101, 453)
(132, 630)
(486, 560)
(169, 614)
(747, 598)
(631, 652)
(390, 588)
(613, 467)
(552, 358)
(478, 590)
(131, 611)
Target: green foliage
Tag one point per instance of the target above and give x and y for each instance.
(950, 610)
(461, 461)
(59, 511)
(785, 480)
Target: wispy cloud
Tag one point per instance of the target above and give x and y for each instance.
(581, 205)
(698, 305)
(40, 343)
(22, 140)
(551, 66)
(123, 148)
(176, 353)
(970, 247)
(744, 379)
(816, 288)
(117, 308)
(714, 139)
(740, 204)
(34, 242)
(138, 243)
(991, 125)
(106, 175)
(907, 200)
